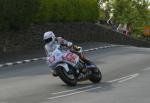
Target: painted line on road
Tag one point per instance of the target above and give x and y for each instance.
(146, 69)
(19, 62)
(123, 78)
(43, 58)
(70, 94)
(72, 90)
(133, 76)
(119, 80)
(1, 66)
(27, 61)
(9, 64)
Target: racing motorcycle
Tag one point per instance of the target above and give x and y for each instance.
(71, 69)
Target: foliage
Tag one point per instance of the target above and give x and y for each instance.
(16, 14)
(134, 12)
(102, 14)
(68, 10)
(105, 9)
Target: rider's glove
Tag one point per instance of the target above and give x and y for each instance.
(76, 48)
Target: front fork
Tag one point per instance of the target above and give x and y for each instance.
(81, 71)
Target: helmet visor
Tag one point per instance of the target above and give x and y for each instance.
(48, 40)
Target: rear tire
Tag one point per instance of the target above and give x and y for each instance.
(63, 76)
(96, 75)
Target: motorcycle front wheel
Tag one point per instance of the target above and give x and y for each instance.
(68, 78)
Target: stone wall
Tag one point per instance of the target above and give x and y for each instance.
(79, 32)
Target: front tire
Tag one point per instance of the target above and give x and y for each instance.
(64, 76)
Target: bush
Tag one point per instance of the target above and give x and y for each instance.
(16, 14)
(68, 10)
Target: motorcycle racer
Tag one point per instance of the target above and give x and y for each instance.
(51, 41)
(69, 64)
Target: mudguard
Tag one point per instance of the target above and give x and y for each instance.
(64, 65)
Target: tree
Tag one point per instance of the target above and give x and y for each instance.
(134, 12)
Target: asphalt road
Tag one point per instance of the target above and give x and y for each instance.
(126, 73)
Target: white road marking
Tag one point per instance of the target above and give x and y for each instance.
(69, 94)
(86, 50)
(35, 59)
(27, 60)
(43, 58)
(1, 65)
(72, 90)
(100, 47)
(9, 64)
(133, 76)
(103, 47)
(18, 62)
(118, 79)
(146, 69)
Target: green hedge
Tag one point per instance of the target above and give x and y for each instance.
(68, 10)
(15, 14)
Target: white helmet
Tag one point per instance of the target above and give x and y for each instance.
(49, 37)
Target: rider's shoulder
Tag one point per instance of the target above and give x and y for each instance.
(60, 39)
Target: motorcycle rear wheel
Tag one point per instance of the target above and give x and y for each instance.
(96, 75)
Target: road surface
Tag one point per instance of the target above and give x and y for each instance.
(126, 73)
